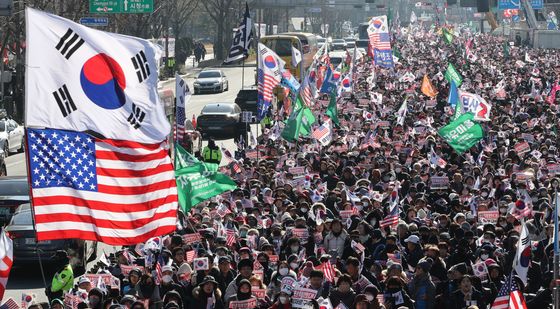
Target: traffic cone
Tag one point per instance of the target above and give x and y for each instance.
(193, 121)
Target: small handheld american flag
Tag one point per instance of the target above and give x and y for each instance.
(509, 296)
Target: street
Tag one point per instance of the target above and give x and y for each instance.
(27, 278)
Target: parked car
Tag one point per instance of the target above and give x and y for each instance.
(338, 44)
(350, 42)
(220, 120)
(27, 249)
(11, 136)
(211, 81)
(247, 100)
(14, 191)
(337, 57)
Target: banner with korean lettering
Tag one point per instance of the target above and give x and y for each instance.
(462, 133)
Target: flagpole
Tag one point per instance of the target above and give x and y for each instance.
(556, 275)
(243, 74)
(26, 145)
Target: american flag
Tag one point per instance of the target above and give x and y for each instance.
(190, 256)
(159, 273)
(182, 96)
(328, 270)
(381, 41)
(393, 217)
(509, 296)
(10, 304)
(116, 192)
(306, 92)
(230, 237)
(236, 168)
(269, 76)
(321, 132)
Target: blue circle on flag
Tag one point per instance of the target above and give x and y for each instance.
(103, 81)
(270, 62)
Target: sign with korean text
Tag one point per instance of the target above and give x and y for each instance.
(243, 304)
(488, 216)
(121, 6)
(439, 182)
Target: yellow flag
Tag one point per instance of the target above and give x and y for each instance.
(428, 88)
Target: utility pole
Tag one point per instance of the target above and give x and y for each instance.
(18, 91)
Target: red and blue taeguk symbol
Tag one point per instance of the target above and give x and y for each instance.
(103, 81)
(346, 82)
(377, 23)
(525, 257)
(270, 62)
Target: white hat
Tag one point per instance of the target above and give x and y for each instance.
(83, 279)
(166, 268)
(185, 268)
(413, 239)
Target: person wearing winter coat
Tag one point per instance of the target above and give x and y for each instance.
(335, 239)
(283, 270)
(343, 292)
(283, 301)
(147, 289)
(467, 295)
(207, 294)
(422, 288)
(243, 292)
(395, 295)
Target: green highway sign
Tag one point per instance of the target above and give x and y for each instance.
(121, 6)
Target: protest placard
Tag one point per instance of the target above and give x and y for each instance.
(439, 182)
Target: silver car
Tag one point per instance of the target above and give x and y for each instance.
(211, 81)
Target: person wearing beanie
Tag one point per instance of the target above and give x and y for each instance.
(495, 280)
(129, 287)
(422, 288)
(95, 298)
(207, 291)
(395, 294)
(245, 269)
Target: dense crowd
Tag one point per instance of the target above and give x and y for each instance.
(310, 226)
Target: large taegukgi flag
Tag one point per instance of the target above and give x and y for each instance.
(83, 79)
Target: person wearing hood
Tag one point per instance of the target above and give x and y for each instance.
(495, 280)
(129, 286)
(282, 270)
(395, 295)
(243, 292)
(422, 287)
(147, 289)
(227, 274)
(63, 280)
(245, 268)
(207, 295)
(343, 292)
(95, 299)
(175, 297)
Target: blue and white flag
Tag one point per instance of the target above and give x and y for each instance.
(329, 84)
(242, 39)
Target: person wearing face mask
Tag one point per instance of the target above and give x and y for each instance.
(147, 289)
(283, 270)
(292, 248)
(95, 299)
(495, 280)
(371, 293)
(245, 269)
(283, 301)
(168, 283)
(243, 292)
(395, 296)
(343, 292)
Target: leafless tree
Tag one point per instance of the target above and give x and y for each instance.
(219, 11)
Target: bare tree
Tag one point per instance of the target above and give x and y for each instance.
(219, 11)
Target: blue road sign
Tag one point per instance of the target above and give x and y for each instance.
(515, 4)
(94, 21)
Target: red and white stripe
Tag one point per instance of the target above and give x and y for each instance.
(328, 270)
(321, 132)
(267, 87)
(230, 238)
(190, 256)
(159, 274)
(136, 198)
(6, 261)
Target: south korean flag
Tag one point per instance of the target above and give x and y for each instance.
(83, 79)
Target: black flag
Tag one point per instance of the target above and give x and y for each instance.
(240, 45)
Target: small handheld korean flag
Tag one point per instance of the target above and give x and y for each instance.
(82, 79)
(201, 263)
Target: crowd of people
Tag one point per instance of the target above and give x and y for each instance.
(312, 226)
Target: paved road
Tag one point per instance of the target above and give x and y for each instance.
(27, 278)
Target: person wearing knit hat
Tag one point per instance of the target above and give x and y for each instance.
(423, 289)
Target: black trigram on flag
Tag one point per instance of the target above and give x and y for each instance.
(136, 117)
(64, 101)
(69, 43)
(141, 66)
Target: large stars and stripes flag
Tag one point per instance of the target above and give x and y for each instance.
(80, 79)
(113, 191)
(392, 217)
(306, 92)
(509, 296)
(6, 262)
(242, 39)
(269, 75)
(182, 96)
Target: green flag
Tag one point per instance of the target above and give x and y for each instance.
(458, 110)
(307, 121)
(462, 133)
(198, 181)
(396, 52)
(293, 124)
(332, 110)
(451, 74)
(447, 36)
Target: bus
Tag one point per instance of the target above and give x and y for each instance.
(282, 44)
